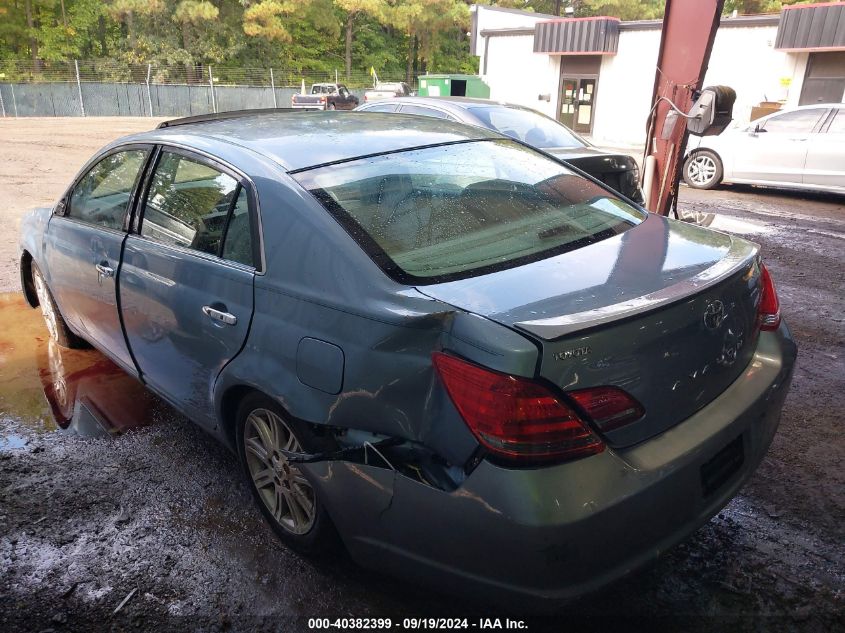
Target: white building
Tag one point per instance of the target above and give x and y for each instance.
(596, 75)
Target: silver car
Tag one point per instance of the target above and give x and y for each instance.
(801, 148)
(477, 367)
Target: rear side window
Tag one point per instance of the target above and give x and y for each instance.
(102, 195)
(191, 204)
(460, 210)
(527, 126)
(237, 246)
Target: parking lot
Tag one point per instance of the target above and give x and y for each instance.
(155, 511)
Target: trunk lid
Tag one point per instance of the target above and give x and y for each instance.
(666, 311)
(617, 171)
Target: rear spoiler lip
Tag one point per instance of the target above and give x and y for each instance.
(741, 254)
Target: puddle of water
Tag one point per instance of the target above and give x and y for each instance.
(47, 387)
(11, 442)
(739, 226)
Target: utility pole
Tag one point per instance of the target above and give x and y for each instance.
(211, 85)
(689, 29)
(149, 96)
(79, 87)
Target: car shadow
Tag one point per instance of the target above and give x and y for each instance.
(775, 192)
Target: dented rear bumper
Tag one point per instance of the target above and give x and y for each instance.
(545, 535)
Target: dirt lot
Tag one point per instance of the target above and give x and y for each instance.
(38, 158)
(160, 515)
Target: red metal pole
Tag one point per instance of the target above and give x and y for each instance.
(689, 28)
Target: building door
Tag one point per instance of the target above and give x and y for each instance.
(824, 81)
(579, 75)
(568, 102)
(576, 103)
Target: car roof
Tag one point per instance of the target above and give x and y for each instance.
(807, 106)
(298, 140)
(451, 103)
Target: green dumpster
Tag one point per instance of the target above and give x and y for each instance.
(453, 86)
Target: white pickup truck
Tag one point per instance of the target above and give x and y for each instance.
(387, 90)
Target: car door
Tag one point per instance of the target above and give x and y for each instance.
(83, 246)
(826, 154)
(347, 100)
(775, 150)
(186, 282)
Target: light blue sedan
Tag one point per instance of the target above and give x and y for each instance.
(480, 369)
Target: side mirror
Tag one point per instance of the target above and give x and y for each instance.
(712, 111)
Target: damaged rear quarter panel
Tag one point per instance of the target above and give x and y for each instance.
(320, 285)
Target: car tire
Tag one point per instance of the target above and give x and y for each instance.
(286, 498)
(703, 169)
(53, 319)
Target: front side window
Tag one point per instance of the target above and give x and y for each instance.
(102, 195)
(837, 126)
(460, 210)
(188, 204)
(527, 126)
(423, 111)
(795, 122)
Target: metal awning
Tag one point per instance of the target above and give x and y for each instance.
(577, 36)
(812, 27)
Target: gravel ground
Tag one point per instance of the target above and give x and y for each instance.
(159, 513)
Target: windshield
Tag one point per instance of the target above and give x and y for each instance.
(459, 210)
(322, 89)
(527, 126)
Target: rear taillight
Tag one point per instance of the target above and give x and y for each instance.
(515, 418)
(608, 407)
(769, 310)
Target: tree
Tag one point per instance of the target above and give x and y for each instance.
(264, 19)
(422, 21)
(354, 9)
(125, 11)
(623, 9)
(193, 15)
(750, 7)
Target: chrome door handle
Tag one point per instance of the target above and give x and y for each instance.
(104, 271)
(217, 315)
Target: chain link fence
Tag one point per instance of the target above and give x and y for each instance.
(110, 88)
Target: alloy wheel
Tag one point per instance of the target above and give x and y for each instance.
(701, 170)
(283, 488)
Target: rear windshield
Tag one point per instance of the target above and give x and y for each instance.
(459, 210)
(527, 126)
